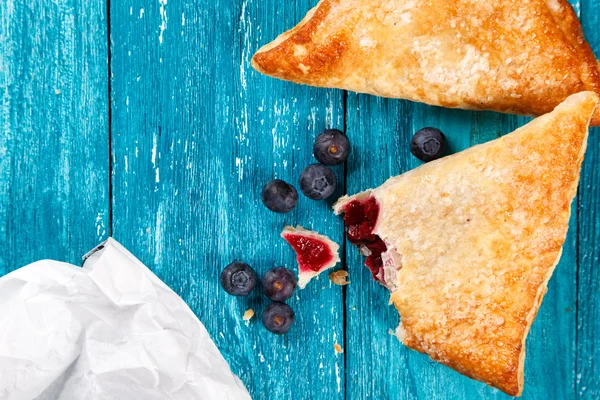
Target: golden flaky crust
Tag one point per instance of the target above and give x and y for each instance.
(512, 56)
(479, 234)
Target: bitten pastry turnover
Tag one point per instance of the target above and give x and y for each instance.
(466, 244)
(511, 56)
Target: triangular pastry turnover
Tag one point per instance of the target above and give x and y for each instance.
(511, 56)
(466, 244)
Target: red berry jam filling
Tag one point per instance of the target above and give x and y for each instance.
(360, 217)
(312, 254)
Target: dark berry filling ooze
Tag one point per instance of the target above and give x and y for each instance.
(312, 254)
(360, 217)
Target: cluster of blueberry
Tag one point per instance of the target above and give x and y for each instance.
(317, 181)
(279, 284)
(332, 147)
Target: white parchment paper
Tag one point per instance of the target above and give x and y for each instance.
(110, 330)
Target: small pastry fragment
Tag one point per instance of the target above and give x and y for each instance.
(315, 253)
(339, 278)
(248, 315)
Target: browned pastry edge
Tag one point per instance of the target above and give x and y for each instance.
(273, 59)
(573, 33)
(512, 383)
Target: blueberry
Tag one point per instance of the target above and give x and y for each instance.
(278, 317)
(279, 283)
(428, 144)
(317, 182)
(331, 147)
(279, 196)
(238, 279)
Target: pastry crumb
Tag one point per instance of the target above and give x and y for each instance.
(339, 277)
(57, 91)
(338, 348)
(248, 314)
(327, 250)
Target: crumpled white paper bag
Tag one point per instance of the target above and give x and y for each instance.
(110, 330)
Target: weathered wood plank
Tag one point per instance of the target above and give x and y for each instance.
(196, 133)
(555, 325)
(588, 301)
(381, 131)
(54, 121)
(376, 363)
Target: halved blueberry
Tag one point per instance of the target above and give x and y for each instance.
(317, 182)
(428, 144)
(331, 147)
(279, 196)
(278, 317)
(238, 279)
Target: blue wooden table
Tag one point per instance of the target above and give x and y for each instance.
(143, 119)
